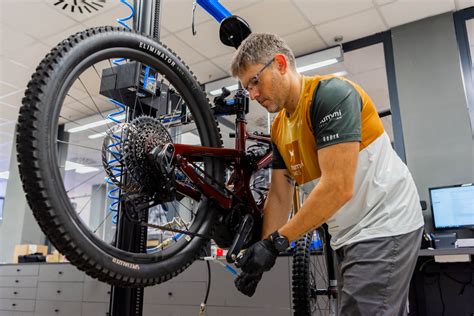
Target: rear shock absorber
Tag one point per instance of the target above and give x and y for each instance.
(115, 149)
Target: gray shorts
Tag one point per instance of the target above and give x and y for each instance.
(373, 276)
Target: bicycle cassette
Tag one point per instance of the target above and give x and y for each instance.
(138, 138)
(112, 157)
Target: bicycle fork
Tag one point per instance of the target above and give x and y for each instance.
(331, 269)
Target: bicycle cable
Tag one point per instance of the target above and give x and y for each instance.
(175, 230)
(214, 181)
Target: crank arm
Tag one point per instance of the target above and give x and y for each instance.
(240, 238)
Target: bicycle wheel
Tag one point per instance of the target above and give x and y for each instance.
(310, 278)
(69, 138)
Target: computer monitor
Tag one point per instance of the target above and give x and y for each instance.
(453, 206)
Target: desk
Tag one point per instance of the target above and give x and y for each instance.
(446, 251)
(435, 286)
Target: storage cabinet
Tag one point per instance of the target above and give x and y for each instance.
(41, 289)
(55, 289)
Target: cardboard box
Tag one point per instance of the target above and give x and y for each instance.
(62, 258)
(54, 257)
(21, 250)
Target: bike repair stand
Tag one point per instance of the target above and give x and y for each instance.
(130, 236)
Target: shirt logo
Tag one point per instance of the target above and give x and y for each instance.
(296, 165)
(330, 137)
(335, 115)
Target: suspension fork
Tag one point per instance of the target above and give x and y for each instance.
(330, 263)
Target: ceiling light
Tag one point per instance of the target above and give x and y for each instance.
(94, 124)
(340, 73)
(78, 167)
(317, 65)
(86, 169)
(4, 175)
(320, 59)
(84, 7)
(98, 135)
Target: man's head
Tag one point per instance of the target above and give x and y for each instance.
(266, 67)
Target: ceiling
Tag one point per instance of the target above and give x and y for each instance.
(30, 28)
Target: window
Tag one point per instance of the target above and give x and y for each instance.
(464, 24)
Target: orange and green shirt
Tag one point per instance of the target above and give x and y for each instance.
(334, 110)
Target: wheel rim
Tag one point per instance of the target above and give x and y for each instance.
(77, 176)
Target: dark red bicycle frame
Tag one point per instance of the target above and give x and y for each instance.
(240, 178)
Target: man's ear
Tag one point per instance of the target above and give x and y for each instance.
(281, 63)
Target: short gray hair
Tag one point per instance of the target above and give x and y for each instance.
(260, 48)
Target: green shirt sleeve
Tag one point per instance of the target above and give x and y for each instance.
(335, 113)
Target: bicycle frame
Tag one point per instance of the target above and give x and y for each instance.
(186, 154)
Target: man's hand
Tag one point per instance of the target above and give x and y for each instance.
(247, 283)
(259, 258)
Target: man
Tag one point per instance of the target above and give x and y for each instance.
(328, 137)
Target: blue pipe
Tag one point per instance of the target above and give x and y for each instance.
(214, 8)
(115, 148)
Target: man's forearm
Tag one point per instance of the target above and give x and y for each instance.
(274, 216)
(278, 203)
(321, 204)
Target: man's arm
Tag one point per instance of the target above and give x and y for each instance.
(279, 201)
(338, 165)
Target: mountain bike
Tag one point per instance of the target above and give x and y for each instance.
(112, 113)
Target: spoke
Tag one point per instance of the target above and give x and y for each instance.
(79, 101)
(79, 124)
(176, 212)
(151, 107)
(100, 77)
(186, 130)
(95, 191)
(92, 99)
(120, 94)
(137, 101)
(177, 107)
(75, 144)
(95, 175)
(186, 208)
(103, 221)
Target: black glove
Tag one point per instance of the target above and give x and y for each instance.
(258, 258)
(247, 283)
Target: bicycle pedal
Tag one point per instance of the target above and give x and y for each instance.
(240, 238)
